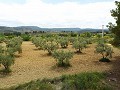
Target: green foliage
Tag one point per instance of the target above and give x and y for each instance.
(80, 44)
(105, 50)
(39, 42)
(64, 42)
(84, 81)
(35, 85)
(73, 34)
(50, 39)
(72, 39)
(62, 57)
(86, 34)
(50, 47)
(26, 37)
(89, 40)
(1, 39)
(13, 45)
(6, 59)
(115, 28)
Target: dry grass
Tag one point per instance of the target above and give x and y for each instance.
(36, 64)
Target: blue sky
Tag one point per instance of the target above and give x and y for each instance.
(56, 13)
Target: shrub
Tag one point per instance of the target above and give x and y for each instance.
(26, 37)
(39, 42)
(63, 42)
(72, 39)
(1, 39)
(35, 85)
(105, 50)
(84, 81)
(79, 45)
(62, 57)
(6, 59)
(13, 45)
(50, 47)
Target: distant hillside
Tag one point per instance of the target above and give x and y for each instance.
(6, 29)
(36, 28)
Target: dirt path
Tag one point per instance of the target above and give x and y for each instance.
(34, 64)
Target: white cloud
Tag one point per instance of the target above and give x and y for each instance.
(67, 14)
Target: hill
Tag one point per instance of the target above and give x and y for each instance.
(36, 28)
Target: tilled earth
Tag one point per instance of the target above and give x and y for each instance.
(35, 64)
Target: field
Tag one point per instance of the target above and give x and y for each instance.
(35, 64)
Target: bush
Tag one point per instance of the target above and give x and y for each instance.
(105, 50)
(84, 81)
(50, 47)
(39, 42)
(35, 85)
(6, 59)
(72, 39)
(26, 37)
(62, 57)
(79, 45)
(63, 42)
(13, 45)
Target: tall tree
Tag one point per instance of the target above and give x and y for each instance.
(115, 28)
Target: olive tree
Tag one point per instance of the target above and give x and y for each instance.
(39, 42)
(14, 45)
(80, 44)
(64, 42)
(50, 47)
(105, 50)
(6, 59)
(62, 57)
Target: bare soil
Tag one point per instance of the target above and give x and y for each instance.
(35, 64)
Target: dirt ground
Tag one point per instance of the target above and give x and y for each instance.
(35, 64)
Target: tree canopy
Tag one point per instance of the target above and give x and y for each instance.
(115, 28)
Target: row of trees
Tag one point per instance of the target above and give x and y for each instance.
(53, 44)
(7, 52)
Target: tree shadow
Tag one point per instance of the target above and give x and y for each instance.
(79, 53)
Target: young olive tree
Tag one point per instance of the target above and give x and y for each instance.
(64, 42)
(79, 44)
(6, 59)
(62, 57)
(50, 47)
(14, 45)
(105, 50)
(39, 42)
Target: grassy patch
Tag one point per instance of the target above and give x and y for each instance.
(82, 81)
(85, 81)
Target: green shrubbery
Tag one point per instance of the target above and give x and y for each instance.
(6, 59)
(105, 50)
(80, 44)
(64, 42)
(62, 58)
(50, 47)
(7, 53)
(82, 81)
(26, 37)
(39, 42)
